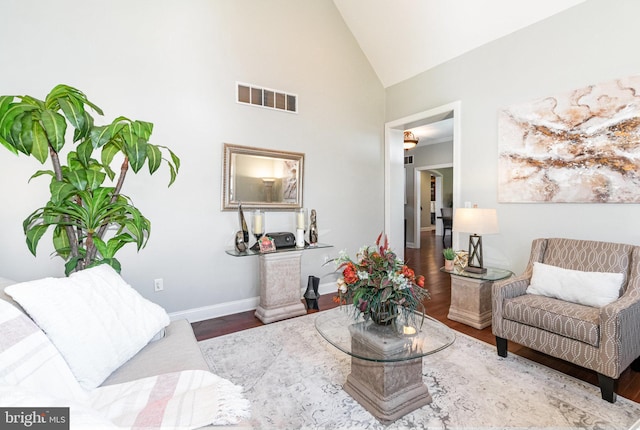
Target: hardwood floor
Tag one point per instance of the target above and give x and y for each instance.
(427, 261)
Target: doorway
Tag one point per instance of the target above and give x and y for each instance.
(439, 201)
(394, 179)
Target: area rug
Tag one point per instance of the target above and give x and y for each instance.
(293, 379)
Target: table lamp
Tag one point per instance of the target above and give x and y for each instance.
(476, 222)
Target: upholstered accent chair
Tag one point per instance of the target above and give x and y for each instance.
(605, 339)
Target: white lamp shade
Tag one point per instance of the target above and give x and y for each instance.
(475, 221)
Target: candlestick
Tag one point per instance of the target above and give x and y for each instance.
(301, 219)
(299, 238)
(257, 222)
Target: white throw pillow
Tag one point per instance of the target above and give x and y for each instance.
(595, 289)
(95, 319)
(29, 360)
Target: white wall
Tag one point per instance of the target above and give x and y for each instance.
(591, 43)
(175, 63)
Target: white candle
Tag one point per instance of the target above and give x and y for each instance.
(300, 220)
(257, 223)
(299, 238)
(408, 330)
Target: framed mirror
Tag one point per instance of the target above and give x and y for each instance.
(261, 178)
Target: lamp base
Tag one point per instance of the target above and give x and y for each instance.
(474, 269)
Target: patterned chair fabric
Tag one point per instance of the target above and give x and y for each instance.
(606, 339)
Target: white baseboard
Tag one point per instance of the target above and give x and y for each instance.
(235, 307)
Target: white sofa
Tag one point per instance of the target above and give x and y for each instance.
(172, 353)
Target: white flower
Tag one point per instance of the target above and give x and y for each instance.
(343, 257)
(342, 286)
(363, 275)
(399, 280)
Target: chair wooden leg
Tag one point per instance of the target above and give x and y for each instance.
(501, 344)
(607, 388)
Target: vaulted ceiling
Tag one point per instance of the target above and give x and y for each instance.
(402, 38)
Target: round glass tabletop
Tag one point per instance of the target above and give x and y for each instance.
(403, 340)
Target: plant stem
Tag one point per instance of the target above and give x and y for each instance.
(92, 250)
(71, 234)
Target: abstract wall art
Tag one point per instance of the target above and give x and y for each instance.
(582, 146)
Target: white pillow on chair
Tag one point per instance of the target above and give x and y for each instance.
(595, 289)
(95, 319)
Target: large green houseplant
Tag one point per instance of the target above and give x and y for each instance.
(83, 205)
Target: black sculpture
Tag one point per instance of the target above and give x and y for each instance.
(311, 296)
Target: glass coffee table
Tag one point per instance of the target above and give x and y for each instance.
(386, 361)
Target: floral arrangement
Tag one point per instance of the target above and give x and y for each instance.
(379, 284)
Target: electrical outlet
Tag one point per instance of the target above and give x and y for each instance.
(158, 284)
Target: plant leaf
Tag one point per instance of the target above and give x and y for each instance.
(83, 152)
(136, 149)
(142, 129)
(9, 116)
(55, 127)
(61, 241)
(100, 135)
(154, 156)
(95, 179)
(74, 111)
(39, 144)
(77, 178)
(33, 236)
(21, 133)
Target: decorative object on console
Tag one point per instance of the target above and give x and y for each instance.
(379, 282)
(301, 227)
(239, 243)
(78, 190)
(283, 239)
(311, 295)
(476, 222)
(313, 229)
(574, 147)
(243, 224)
(461, 260)
(449, 256)
(267, 244)
(257, 227)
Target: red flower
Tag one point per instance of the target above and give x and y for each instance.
(350, 274)
(408, 273)
(420, 281)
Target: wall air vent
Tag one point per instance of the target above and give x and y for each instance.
(254, 95)
(408, 159)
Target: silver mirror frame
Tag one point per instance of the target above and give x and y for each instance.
(228, 178)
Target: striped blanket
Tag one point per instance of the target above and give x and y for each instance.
(34, 374)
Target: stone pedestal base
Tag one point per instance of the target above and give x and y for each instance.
(280, 288)
(470, 301)
(388, 390)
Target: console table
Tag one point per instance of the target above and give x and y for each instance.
(280, 282)
(471, 295)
